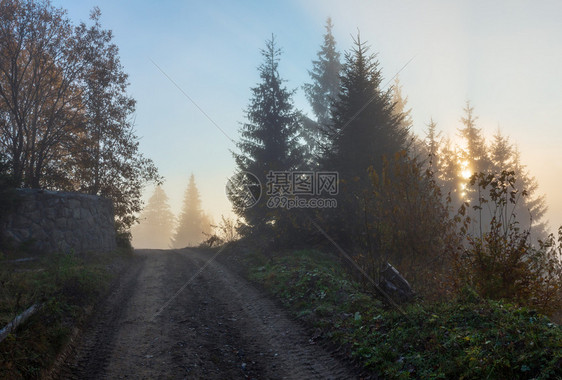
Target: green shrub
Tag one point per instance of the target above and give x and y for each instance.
(123, 239)
(466, 337)
(501, 262)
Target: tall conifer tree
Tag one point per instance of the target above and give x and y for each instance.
(269, 138)
(365, 126)
(475, 154)
(156, 222)
(192, 223)
(322, 91)
(531, 208)
(365, 130)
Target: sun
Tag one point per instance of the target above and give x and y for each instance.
(466, 173)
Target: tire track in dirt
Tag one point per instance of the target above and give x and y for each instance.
(218, 327)
(286, 346)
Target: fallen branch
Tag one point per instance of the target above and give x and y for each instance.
(18, 321)
(20, 260)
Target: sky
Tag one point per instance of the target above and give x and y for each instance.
(503, 56)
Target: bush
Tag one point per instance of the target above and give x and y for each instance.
(123, 239)
(407, 223)
(501, 262)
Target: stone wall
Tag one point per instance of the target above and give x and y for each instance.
(62, 222)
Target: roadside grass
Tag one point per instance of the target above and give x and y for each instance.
(465, 338)
(66, 286)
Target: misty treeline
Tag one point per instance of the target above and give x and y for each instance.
(66, 120)
(447, 215)
(159, 228)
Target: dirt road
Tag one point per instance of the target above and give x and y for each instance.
(218, 327)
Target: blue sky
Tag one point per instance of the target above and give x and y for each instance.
(505, 57)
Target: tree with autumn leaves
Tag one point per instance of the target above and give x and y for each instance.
(65, 115)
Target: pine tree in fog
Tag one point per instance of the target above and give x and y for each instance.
(322, 91)
(433, 142)
(443, 162)
(530, 208)
(365, 129)
(156, 222)
(473, 158)
(269, 138)
(365, 126)
(454, 164)
(414, 145)
(474, 155)
(401, 105)
(192, 222)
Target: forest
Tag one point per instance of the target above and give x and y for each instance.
(445, 214)
(448, 217)
(413, 201)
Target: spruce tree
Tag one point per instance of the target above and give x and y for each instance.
(474, 156)
(531, 208)
(415, 146)
(323, 90)
(365, 125)
(401, 104)
(442, 161)
(365, 131)
(501, 152)
(449, 173)
(500, 155)
(269, 138)
(433, 142)
(192, 223)
(156, 222)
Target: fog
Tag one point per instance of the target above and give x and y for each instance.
(504, 58)
(386, 173)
